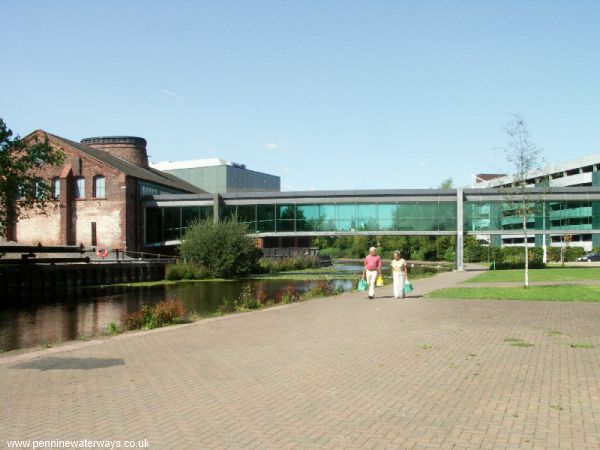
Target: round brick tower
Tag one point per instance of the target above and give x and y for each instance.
(129, 148)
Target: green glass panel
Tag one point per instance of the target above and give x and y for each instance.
(189, 214)
(228, 211)
(367, 212)
(346, 217)
(327, 219)
(367, 217)
(265, 218)
(428, 210)
(247, 214)
(346, 212)
(206, 212)
(345, 225)
(172, 220)
(386, 213)
(405, 217)
(286, 216)
(154, 226)
(386, 224)
(306, 216)
(447, 216)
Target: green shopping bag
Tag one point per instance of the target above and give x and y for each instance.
(408, 287)
(362, 285)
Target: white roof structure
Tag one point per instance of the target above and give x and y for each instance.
(194, 164)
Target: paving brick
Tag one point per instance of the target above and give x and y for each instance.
(339, 372)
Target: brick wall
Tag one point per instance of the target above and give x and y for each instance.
(71, 222)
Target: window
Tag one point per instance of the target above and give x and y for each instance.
(56, 187)
(40, 187)
(99, 186)
(79, 188)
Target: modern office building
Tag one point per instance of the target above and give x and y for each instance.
(568, 214)
(218, 176)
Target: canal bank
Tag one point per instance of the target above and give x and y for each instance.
(81, 313)
(27, 282)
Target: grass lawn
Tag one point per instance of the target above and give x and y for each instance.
(557, 274)
(532, 293)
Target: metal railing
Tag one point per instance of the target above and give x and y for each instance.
(129, 255)
(30, 255)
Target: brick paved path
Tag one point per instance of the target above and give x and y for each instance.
(340, 372)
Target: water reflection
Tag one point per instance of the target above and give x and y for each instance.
(77, 317)
(83, 313)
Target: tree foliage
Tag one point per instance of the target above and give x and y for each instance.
(21, 186)
(448, 183)
(428, 248)
(223, 248)
(525, 158)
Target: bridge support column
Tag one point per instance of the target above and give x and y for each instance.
(459, 229)
(216, 207)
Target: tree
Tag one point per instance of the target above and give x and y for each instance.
(223, 248)
(524, 157)
(21, 186)
(448, 183)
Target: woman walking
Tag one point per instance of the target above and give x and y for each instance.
(399, 269)
(372, 270)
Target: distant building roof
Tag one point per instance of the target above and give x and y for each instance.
(195, 163)
(552, 170)
(152, 175)
(487, 176)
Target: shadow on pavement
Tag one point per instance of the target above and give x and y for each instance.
(53, 363)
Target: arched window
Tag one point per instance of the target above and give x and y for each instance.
(79, 187)
(56, 187)
(99, 186)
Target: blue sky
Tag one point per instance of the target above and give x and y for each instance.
(325, 94)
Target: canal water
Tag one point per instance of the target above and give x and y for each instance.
(84, 313)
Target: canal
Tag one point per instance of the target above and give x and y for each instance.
(85, 313)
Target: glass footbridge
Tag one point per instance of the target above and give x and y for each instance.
(429, 212)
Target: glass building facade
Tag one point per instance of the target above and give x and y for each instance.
(167, 223)
(427, 212)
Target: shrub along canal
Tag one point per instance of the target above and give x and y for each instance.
(88, 312)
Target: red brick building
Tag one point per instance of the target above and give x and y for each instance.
(99, 189)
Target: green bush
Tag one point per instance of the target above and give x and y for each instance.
(572, 253)
(189, 271)
(494, 254)
(148, 317)
(168, 311)
(228, 305)
(222, 248)
(323, 288)
(289, 295)
(512, 255)
(333, 252)
(569, 253)
(247, 299)
(473, 251)
(449, 255)
(553, 254)
(267, 265)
